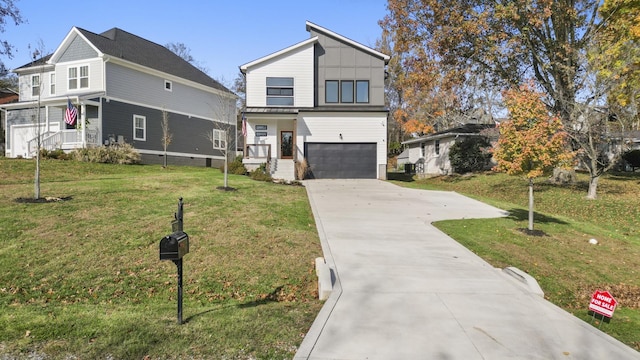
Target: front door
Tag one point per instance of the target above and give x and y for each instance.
(286, 144)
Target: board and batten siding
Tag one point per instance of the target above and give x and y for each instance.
(338, 60)
(355, 128)
(125, 84)
(297, 64)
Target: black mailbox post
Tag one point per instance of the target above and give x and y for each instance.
(173, 247)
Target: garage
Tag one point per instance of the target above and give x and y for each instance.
(341, 160)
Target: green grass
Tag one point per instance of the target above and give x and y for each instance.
(566, 266)
(82, 277)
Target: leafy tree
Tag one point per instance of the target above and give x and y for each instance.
(531, 142)
(470, 154)
(8, 12)
(508, 43)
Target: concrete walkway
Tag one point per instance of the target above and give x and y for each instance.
(405, 290)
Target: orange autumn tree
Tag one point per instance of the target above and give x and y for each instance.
(532, 142)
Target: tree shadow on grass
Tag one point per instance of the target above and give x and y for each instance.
(523, 215)
(273, 296)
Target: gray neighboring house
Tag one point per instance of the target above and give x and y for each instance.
(120, 84)
(321, 100)
(430, 153)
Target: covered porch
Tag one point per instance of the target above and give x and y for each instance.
(32, 125)
(271, 139)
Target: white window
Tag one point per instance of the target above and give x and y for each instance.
(168, 85)
(139, 127)
(52, 85)
(35, 85)
(219, 141)
(79, 76)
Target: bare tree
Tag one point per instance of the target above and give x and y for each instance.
(223, 134)
(38, 60)
(184, 52)
(167, 136)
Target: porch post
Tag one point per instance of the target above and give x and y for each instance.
(83, 120)
(295, 145)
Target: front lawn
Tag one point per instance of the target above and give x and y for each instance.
(567, 267)
(81, 277)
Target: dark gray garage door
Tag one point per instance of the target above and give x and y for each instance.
(341, 160)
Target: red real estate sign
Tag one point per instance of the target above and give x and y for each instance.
(603, 303)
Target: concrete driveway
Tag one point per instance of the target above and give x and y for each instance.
(405, 290)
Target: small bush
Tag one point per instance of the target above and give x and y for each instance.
(123, 154)
(633, 158)
(58, 154)
(235, 167)
(261, 173)
(470, 154)
(302, 167)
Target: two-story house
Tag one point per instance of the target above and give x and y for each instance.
(120, 85)
(321, 100)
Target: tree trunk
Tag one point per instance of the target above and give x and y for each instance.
(36, 183)
(592, 194)
(226, 167)
(530, 204)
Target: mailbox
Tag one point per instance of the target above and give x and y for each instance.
(174, 246)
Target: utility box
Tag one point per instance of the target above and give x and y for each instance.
(174, 246)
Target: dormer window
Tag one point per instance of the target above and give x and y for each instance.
(280, 91)
(168, 85)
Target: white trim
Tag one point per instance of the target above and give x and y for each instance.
(67, 41)
(221, 139)
(160, 152)
(385, 57)
(244, 67)
(144, 127)
(170, 87)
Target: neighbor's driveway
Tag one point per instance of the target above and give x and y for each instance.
(405, 290)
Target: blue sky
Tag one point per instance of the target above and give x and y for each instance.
(221, 34)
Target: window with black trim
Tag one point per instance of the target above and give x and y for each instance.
(362, 91)
(437, 147)
(346, 91)
(280, 91)
(331, 91)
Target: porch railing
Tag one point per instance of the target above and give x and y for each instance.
(258, 151)
(64, 139)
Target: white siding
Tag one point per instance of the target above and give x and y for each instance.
(297, 64)
(355, 128)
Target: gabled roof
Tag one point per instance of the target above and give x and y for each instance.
(355, 44)
(291, 48)
(464, 130)
(121, 44)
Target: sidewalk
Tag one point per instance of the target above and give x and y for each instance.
(405, 290)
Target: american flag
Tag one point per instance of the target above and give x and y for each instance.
(244, 125)
(71, 114)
